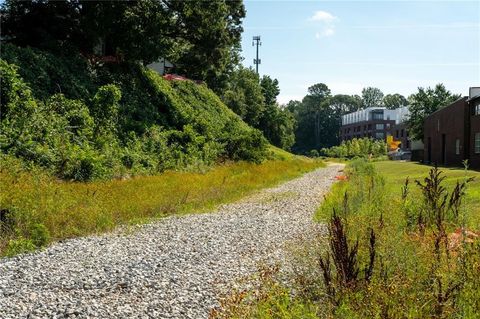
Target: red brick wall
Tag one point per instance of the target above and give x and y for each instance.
(474, 160)
(450, 122)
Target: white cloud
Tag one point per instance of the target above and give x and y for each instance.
(327, 32)
(323, 16)
(326, 22)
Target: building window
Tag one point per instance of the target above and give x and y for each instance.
(477, 143)
(380, 135)
(379, 126)
(477, 108)
(457, 146)
(396, 133)
(377, 115)
(401, 133)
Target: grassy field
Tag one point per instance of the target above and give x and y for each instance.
(386, 256)
(396, 172)
(38, 208)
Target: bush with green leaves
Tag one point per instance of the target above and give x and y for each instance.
(357, 147)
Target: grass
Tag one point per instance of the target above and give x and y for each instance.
(395, 172)
(38, 205)
(415, 272)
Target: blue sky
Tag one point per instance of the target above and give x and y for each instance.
(395, 46)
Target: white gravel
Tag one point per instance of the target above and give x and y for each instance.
(173, 268)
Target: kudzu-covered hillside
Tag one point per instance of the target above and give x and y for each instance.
(85, 120)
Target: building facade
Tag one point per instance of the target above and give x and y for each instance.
(452, 134)
(377, 123)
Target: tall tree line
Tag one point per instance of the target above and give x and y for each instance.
(202, 38)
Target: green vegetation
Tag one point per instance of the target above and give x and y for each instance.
(425, 102)
(255, 101)
(201, 37)
(395, 249)
(361, 147)
(113, 120)
(37, 208)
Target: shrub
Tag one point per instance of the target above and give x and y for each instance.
(39, 235)
(362, 147)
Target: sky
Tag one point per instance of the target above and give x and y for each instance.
(396, 46)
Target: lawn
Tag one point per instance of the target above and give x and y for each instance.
(395, 173)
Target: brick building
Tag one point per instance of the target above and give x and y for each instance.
(452, 134)
(377, 123)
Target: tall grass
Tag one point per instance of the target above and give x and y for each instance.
(379, 261)
(32, 200)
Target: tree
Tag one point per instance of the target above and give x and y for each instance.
(394, 101)
(278, 125)
(425, 102)
(319, 91)
(314, 118)
(342, 104)
(270, 89)
(372, 97)
(201, 37)
(244, 95)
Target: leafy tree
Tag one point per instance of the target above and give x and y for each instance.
(201, 37)
(394, 101)
(244, 95)
(319, 91)
(270, 89)
(278, 125)
(342, 104)
(425, 102)
(314, 119)
(372, 97)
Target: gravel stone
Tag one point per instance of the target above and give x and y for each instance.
(176, 267)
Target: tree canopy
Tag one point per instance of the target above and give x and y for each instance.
(372, 97)
(201, 37)
(394, 101)
(425, 102)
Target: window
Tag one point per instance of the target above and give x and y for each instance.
(401, 133)
(457, 146)
(477, 108)
(396, 133)
(477, 143)
(380, 135)
(379, 126)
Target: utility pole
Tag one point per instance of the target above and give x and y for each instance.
(256, 41)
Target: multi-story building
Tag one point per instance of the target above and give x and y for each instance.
(376, 122)
(452, 134)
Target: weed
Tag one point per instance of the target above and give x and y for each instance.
(19, 246)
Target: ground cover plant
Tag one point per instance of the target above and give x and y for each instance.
(85, 120)
(37, 208)
(402, 242)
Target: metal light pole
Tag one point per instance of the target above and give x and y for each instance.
(256, 41)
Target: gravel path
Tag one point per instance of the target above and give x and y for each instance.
(174, 268)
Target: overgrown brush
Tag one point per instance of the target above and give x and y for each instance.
(112, 121)
(384, 261)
